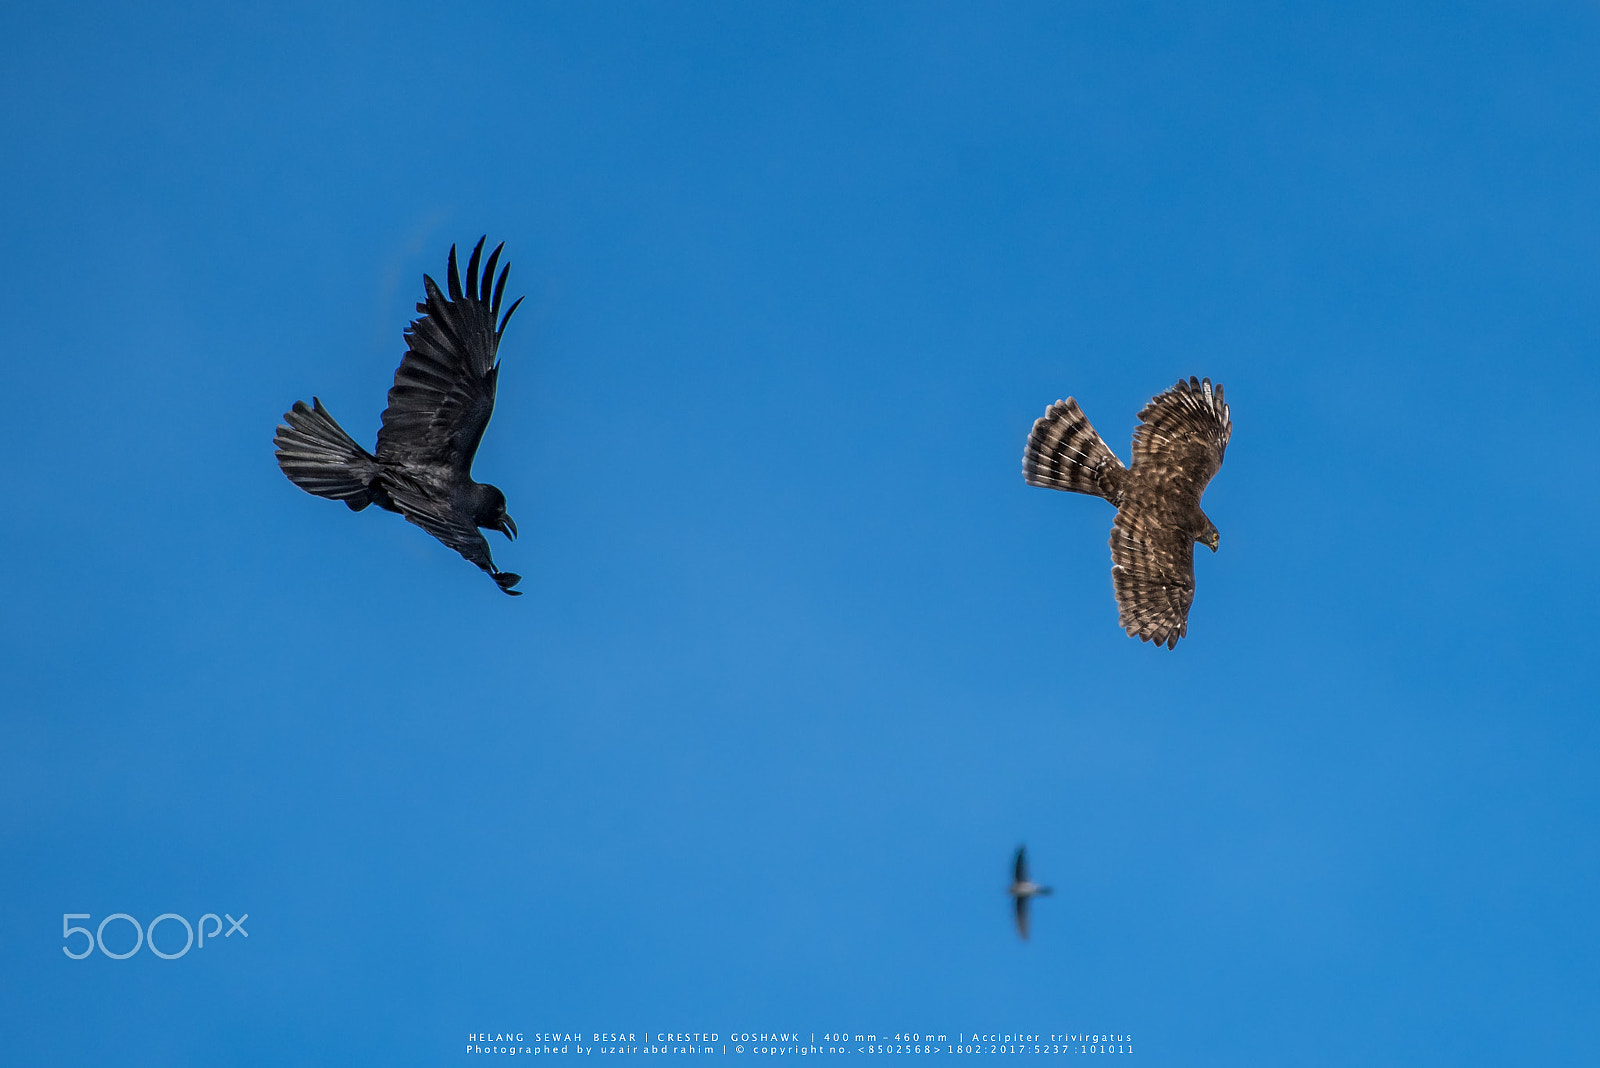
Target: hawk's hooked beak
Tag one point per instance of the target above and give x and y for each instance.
(508, 527)
(1214, 541)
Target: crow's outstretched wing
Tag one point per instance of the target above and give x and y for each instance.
(443, 392)
(447, 524)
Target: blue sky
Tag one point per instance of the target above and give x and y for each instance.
(802, 659)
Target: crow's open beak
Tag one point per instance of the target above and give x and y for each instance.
(508, 527)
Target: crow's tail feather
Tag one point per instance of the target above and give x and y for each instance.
(1064, 452)
(319, 457)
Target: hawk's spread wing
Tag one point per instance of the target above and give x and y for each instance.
(1022, 917)
(1152, 570)
(1022, 865)
(443, 392)
(1181, 437)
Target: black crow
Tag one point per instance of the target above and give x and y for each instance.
(441, 401)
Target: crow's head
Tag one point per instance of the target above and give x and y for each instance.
(491, 512)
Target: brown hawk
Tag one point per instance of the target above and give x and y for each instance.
(1177, 447)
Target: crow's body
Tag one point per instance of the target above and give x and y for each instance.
(440, 403)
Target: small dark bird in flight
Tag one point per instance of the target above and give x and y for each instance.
(1177, 447)
(1024, 890)
(442, 398)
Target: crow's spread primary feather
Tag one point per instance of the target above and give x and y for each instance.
(1182, 435)
(440, 403)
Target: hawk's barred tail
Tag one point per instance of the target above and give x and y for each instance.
(319, 457)
(1065, 453)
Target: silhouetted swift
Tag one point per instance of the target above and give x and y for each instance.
(1024, 889)
(442, 398)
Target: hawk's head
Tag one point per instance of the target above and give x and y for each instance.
(1209, 536)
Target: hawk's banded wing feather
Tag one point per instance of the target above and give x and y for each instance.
(1152, 571)
(1181, 437)
(443, 391)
